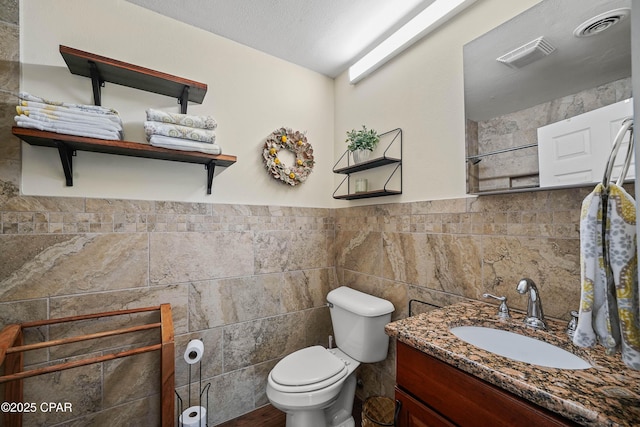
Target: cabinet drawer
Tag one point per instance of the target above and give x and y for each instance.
(414, 413)
(463, 398)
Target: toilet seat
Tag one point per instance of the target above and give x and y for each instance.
(309, 369)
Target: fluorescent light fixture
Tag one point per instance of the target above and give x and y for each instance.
(437, 13)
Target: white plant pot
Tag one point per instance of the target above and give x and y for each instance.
(360, 156)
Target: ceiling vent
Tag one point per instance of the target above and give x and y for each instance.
(527, 53)
(600, 23)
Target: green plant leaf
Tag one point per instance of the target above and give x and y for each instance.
(362, 139)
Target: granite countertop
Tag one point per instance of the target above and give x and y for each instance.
(608, 394)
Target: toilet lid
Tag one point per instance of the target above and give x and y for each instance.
(307, 366)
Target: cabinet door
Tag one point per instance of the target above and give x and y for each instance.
(415, 414)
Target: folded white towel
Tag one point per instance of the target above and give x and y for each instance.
(88, 108)
(49, 116)
(66, 128)
(184, 144)
(31, 105)
(178, 131)
(201, 122)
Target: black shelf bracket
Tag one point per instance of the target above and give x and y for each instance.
(211, 167)
(66, 155)
(346, 178)
(184, 100)
(399, 165)
(97, 82)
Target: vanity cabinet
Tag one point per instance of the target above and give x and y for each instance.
(433, 393)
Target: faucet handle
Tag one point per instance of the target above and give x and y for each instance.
(573, 323)
(503, 310)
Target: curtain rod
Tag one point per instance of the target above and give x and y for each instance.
(504, 150)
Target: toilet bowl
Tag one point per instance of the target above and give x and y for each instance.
(315, 386)
(308, 382)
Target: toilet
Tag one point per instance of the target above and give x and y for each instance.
(316, 386)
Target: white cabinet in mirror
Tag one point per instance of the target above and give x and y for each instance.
(574, 151)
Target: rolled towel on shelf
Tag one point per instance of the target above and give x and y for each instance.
(201, 122)
(178, 131)
(184, 144)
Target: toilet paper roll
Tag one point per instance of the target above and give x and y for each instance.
(194, 416)
(194, 351)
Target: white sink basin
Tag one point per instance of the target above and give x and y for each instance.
(519, 347)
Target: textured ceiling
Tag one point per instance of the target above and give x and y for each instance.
(326, 36)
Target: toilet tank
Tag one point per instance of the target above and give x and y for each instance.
(358, 323)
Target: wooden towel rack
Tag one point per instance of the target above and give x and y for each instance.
(12, 351)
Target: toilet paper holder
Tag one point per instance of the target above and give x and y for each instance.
(194, 415)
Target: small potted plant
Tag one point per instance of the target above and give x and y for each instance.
(361, 143)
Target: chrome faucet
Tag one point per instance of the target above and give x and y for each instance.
(535, 316)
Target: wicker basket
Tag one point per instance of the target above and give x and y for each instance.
(378, 411)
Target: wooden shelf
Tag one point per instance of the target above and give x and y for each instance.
(102, 69)
(68, 144)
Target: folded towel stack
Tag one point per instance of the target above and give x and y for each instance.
(73, 119)
(181, 131)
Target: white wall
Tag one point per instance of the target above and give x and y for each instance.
(249, 93)
(422, 92)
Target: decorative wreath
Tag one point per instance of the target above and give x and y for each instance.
(296, 142)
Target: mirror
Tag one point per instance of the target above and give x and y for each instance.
(545, 75)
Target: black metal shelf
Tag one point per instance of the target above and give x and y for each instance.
(367, 194)
(384, 160)
(369, 164)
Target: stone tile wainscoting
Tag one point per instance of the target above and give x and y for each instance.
(250, 281)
